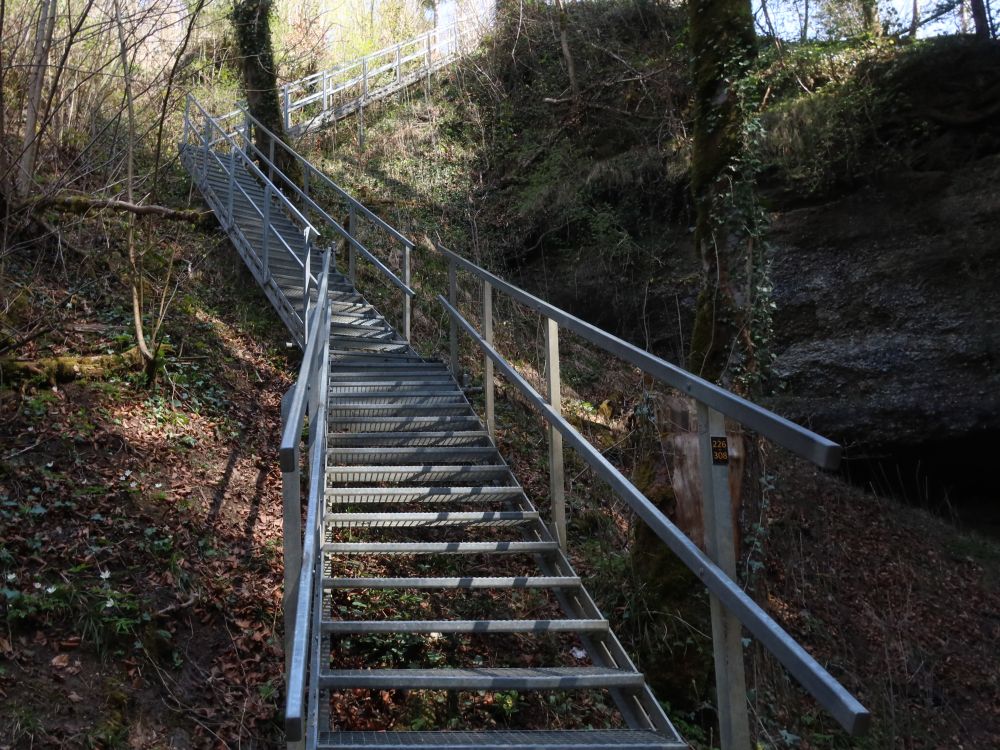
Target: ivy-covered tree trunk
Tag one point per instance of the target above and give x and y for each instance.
(722, 49)
(252, 24)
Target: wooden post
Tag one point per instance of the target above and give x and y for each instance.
(291, 494)
(453, 324)
(407, 302)
(727, 638)
(557, 477)
(487, 362)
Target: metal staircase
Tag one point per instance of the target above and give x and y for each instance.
(406, 491)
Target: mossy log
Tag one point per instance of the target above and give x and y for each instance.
(69, 367)
(83, 203)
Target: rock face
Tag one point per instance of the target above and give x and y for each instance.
(888, 318)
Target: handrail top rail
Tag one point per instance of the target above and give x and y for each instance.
(804, 442)
(836, 699)
(358, 205)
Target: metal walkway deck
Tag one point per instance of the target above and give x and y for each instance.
(407, 492)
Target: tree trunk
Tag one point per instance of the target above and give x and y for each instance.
(43, 41)
(870, 17)
(722, 45)
(981, 19)
(567, 55)
(252, 23)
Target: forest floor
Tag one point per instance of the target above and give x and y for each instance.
(140, 527)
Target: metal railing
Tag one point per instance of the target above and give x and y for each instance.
(308, 397)
(206, 143)
(732, 608)
(329, 95)
(360, 219)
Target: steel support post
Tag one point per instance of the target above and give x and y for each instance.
(270, 159)
(397, 64)
(286, 102)
(231, 187)
(352, 255)
(291, 494)
(487, 362)
(306, 266)
(361, 108)
(407, 300)
(208, 140)
(557, 477)
(187, 119)
(453, 324)
(265, 231)
(326, 90)
(727, 639)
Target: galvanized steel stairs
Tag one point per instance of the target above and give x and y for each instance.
(418, 499)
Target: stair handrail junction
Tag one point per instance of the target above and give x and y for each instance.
(732, 607)
(206, 137)
(405, 62)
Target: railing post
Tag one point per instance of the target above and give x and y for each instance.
(553, 392)
(305, 183)
(232, 186)
(306, 267)
(487, 362)
(364, 98)
(208, 139)
(352, 255)
(427, 64)
(326, 90)
(246, 133)
(453, 324)
(270, 159)
(187, 119)
(727, 643)
(286, 103)
(291, 494)
(265, 229)
(407, 301)
(397, 63)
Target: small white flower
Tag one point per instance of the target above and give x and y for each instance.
(12, 576)
(105, 575)
(37, 585)
(133, 485)
(128, 472)
(50, 589)
(157, 485)
(109, 603)
(50, 464)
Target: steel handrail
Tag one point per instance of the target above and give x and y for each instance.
(314, 361)
(846, 709)
(801, 441)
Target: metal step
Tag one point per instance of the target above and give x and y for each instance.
(410, 456)
(435, 382)
(541, 678)
(435, 474)
(464, 626)
(374, 333)
(406, 439)
(544, 739)
(471, 582)
(401, 424)
(439, 548)
(349, 343)
(423, 495)
(425, 520)
(358, 409)
(413, 398)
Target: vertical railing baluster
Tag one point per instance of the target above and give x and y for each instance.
(397, 63)
(187, 120)
(208, 140)
(727, 637)
(352, 255)
(407, 301)
(452, 323)
(270, 159)
(487, 362)
(364, 98)
(557, 486)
